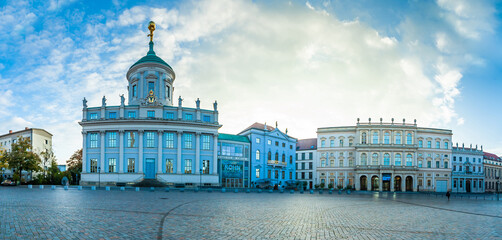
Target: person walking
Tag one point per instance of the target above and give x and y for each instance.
(448, 195)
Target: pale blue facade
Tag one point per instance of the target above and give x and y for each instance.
(273, 155)
(149, 138)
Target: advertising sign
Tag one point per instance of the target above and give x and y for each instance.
(231, 169)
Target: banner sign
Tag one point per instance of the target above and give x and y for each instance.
(231, 169)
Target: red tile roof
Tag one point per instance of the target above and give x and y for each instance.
(491, 156)
(306, 144)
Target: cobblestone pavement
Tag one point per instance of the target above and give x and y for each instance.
(73, 214)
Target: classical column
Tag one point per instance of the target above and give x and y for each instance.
(159, 151)
(121, 164)
(178, 161)
(403, 183)
(368, 180)
(392, 182)
(197, 152)
(84, 152)
(380, 187)
(357, 183)
(215, 153)
(102, 151)
(140, 151)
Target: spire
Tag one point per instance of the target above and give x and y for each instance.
(151, 27)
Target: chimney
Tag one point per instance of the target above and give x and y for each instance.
(26, 128)
(10, 131)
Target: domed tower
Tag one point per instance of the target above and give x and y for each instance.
(150, 79)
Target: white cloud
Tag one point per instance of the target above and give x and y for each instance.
(469, 18)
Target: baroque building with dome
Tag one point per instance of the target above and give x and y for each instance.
(150, 137)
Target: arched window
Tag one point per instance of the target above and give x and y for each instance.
(420, 163)
(269, 155)
(375, 137)
(277, 156)
(364, 159)
(374, 159)
(408, 138)
(283, 157)
(437, 165)
(332, 163)
(397, 160)
(446, 165)
(386, 159)
(429, 164)
(290, 159)
(257, 154)
(386, 138)
(409, 160)
(398, 138)
(341, 163)
(363, 138)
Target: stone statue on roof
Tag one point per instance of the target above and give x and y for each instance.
(197, 103)
(103, 101)
(84, 103)
(122, 100)
(180, 101)
(215, 106)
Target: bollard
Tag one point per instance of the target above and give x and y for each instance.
(41, 186)
(339, 191)
(79, 188)
(122, 188)
(30, 186)
(259, 190)
(65, 187)
(209, 190)
(137, 189)
(182, 190)
(348, 191)
(167, 189)
(223, 190)
(330, 192)
(196, 190)
(107, 188)
(321, 191)
(292, 191)
(301, 191)
(281, 191)
(270, 191)
(53, 187)
(311, 191)
(248, 190)
(152, 189)
(93, 188)
(236, 190)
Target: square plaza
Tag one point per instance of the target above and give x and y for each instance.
(86, 214)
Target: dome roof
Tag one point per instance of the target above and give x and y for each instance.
(151, 58)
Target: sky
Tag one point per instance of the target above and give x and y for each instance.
(304, 64)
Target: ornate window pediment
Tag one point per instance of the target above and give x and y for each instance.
(151, 76)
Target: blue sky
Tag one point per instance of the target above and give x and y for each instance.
(305, 64)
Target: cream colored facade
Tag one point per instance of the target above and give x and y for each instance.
(41, 141)
(385, 157)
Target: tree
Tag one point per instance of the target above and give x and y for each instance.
(47, 159)
(21, 157)
(75, 164)
(53, 172)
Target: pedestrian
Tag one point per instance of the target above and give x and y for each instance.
(448, 195)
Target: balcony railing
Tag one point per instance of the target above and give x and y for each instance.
(386, 167)
(276, 163)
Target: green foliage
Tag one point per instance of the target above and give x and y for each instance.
(321, 185)
(305, 183)
(330, 185)
(21, 157)
(339, 187)
(349, 187)
(75, 165)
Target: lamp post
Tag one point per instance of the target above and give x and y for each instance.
(497, 183)
(200, 178)
(99, 177)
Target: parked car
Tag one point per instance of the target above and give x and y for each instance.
(8, 182)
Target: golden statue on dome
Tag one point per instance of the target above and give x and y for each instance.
(151, 27)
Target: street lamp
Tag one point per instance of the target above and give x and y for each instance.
(497, 183)
(200, 178)
(99, 177)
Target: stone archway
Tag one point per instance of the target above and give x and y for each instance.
(363, 182)
(397, 183)
(375, 181)
(409, 184)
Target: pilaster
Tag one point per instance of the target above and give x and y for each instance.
(178, 155)
(159, 153)
(215, 153)
(197, 153)
(140, 150)
(121, 164)
(102, 152)
(84, 152)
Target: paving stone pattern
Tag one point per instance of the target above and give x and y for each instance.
(73, 214)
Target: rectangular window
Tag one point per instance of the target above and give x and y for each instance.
(205, 166)
(188, 116)
(93, 116)
(94, 165)
(303, 165)
(303, 156)
(112, 162)
(276, 143)
(323, 143)
(169, 166)
(93, 140)
(290, 175)
(257, 173)
(454, 168)
(269, 142)
(151, 86)
(429, 144)
(112, 115)
(445, 145)
(134, 90)
(437, 145)
(150, 139)
(188, 166)
(169, 115)
(206, 142)
(332, 143)
(131, 114)
(150, 114)
(131, 165)
(187, 140)
(269, 174)
(131, 139)
(206, 119)
(169, 140)
(311, 156)
(168, 92)
(420, 144)
(257, 140)
(112, 139)
(283, 174)
(341, 142)
(310, 175)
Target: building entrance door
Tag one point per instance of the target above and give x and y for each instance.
(468, 185)
(375, 183)
(397, 184)
(310, 185)
(409, 184)
(150, 168)
(363, 182)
